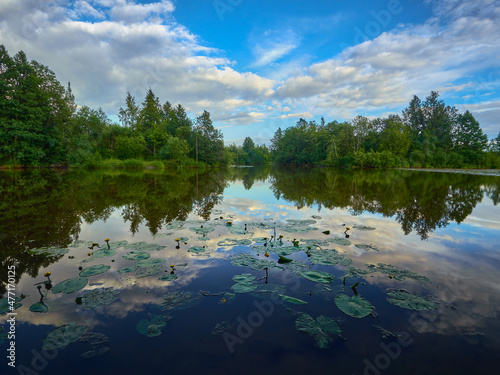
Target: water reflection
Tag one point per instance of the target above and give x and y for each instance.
(47, 208)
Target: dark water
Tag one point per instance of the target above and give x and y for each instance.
(442, 226)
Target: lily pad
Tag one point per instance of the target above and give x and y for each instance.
(144, 246)
(99, 297)
(70, 285)
(366, 247)
(49, 251)
(95, 270)
(148, 271)
(340, 241)
(150, 262)
(168, 277)
(407, 300)
(117, 244)
(180, 300)
(321, 329)
(63, 335)
(104, 253)
(202, 230)
(128, 269)
(328, 257)
(197, 249)
(243, 277)
(293, 300)
(234, 242)
(152, 327)
(238, 230)
(39, 307)
(355, 306)
(396, 273)
(362, 227)
(136, 255)
(5, 307)
(246, 260)
(318, 276)
(203, 238)
(244, 287)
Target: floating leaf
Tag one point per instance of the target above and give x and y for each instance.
(95, 270)
(238, 230)
(320, 329)
(152, 327)
(5, 307)
(150, 262)
(203, 239)
(318, 276)
(144, 246)
(49, 251)
(234, 242)
(104, 253)
(99, 297)
(355, 306)
(362, 227)
(70, 285)
(243, 277)
(128, 269)
(203, 230)
(328, 257)
(39, 307)
(136, 255)
(179, 300)
(148, 271)
(366, 247)
(246, 260)
(244, 287)
(168, 277)
(293, 300)
(397, 273)
(197, 249)
(407, 300)
(356, 272)
(62, 336)
(340, 241)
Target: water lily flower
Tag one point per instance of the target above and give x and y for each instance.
(229, 222)
(106, 239)
(177, 239)
(47, 274)
(266, 255)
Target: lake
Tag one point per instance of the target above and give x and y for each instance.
(249, 270)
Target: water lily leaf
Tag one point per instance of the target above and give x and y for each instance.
(95, 270)
(180, 300)
(197, 249)
(328, 257)
(340, 241)
(203, 239)
(49, 251)
(407, 300)
(117, 244)
(246, 260)
(150, 262)
(99, 297)
(128, 269)
(5, 307)
(39, 307)
(144, 246)
(234, 242)
(366, 247)
(293, 300)
(203, 230)
(396, 273)
(63, 335)
(70, 285)
(244, 287)
(243, 277)
(152, 327)
(104, 253)
(362, 227)
(355, 306)
(136, 255)
(238, 230)
(321, 329)
(148, 271)
(168, 277)
(318, 276)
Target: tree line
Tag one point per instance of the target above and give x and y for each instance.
(427, 134)
(41, 125)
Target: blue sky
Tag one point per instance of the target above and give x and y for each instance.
(259, 65)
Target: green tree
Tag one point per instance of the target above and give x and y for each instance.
(209, 144)
(130, 114)
(469, 139)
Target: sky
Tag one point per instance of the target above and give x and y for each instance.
(260, 65)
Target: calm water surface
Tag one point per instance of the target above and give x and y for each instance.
(443, 227)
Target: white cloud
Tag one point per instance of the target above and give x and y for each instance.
(272, 46)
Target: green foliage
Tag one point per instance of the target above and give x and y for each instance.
(133, 164)
(127, 147)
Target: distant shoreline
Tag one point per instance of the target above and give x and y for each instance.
(481, 172)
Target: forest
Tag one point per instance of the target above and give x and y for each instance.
(41, 125)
